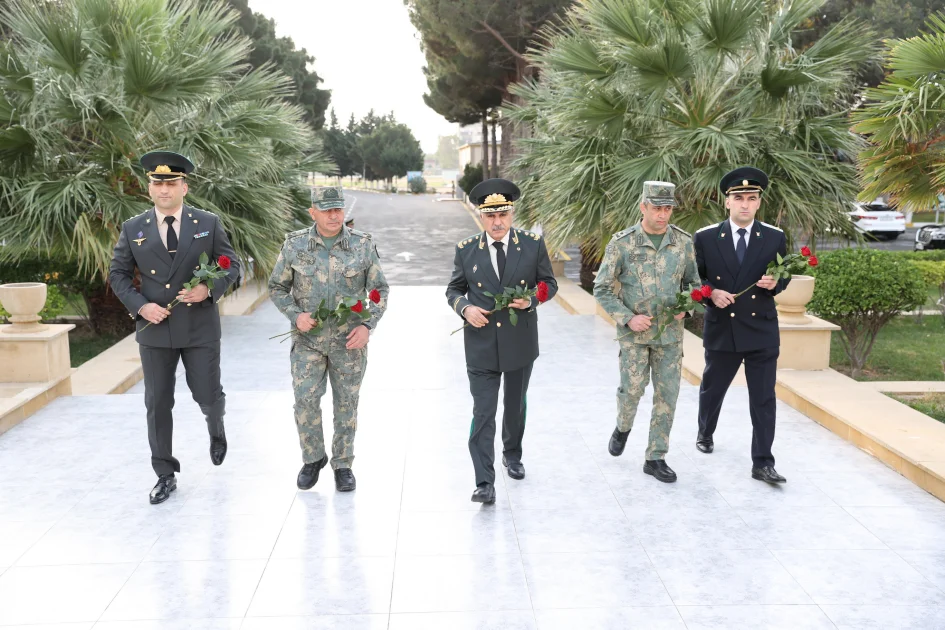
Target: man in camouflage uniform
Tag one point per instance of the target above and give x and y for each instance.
(328, 261)
(643, 270)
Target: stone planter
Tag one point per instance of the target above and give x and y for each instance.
(792, 302)
(23, 301)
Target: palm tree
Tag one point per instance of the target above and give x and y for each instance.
(683, 91)
(904, 122)
(87, 86)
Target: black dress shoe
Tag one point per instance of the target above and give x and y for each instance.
(484, 494)
(659, 469)
(217, 450)
(768, 474)
(162, 490)
(705, 444)
(516, 469)
(309, 473)
(344, 480)
(617, 442)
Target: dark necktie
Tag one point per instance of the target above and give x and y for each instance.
(171, 236)
(741, 246)
(500, 257)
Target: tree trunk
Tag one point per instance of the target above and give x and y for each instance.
(495, 151)
(485, 147)
(590, 263)
(107, 315)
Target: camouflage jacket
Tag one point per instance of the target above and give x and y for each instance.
(301, 278)
(637, 279)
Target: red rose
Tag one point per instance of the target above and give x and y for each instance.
(224, 262)
(696, 295)
(357, 308)
(805, 251)
(812, 261)
(542, 292)
(375, 296)
(706, 291)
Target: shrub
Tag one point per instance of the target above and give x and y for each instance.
(861, 290)
(418, 185)
(472, 175)
(933, 255)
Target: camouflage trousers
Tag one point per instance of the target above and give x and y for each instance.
(313, 365)
(636, 362)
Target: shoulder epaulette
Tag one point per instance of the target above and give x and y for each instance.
(680, 230)
(531, 234)
(360, 233)
(773, 227)
(622, 233)
(708, 227)
(297, 233)
(466, 241)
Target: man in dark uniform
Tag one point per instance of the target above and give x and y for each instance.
(733, 256)
(165, 244)
(499, 257)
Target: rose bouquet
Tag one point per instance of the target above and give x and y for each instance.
(348, 309)
(205, 273)
(503, 301)
(685, 302)
(784, 266)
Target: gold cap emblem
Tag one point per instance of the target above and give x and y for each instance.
(744, 182)
(162, 169)
(495, 198)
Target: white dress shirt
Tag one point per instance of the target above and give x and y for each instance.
(494, 254)
(162, 226)
(736, 235)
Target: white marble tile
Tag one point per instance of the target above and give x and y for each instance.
(757, 617)
(81, 592)
(694, 528)
(16, 537)
(500, 620)
(323, 622)
(87, 625)
(459, 583)
(172, 624)
(239, 537)
(593, 580)
(317, 531)
(479, 532)
(94, 541)
(855, 577)
(931, 564)
(198, 589)
(629, 618)
(881, 617)
(808, 528)
(906, 528)
(574, 531)
(726, 577)
(329, 586)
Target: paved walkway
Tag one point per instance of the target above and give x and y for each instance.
(585, 541)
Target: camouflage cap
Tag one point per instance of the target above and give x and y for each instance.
(328, 197)
(659, 193)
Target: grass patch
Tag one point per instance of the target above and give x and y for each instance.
(84, 345)
(904, 351)
(932, 405)
(927, 217)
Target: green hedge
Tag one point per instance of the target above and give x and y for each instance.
(932, 255)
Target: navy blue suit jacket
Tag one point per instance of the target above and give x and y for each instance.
(751, 323)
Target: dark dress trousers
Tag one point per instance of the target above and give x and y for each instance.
(746, 331)
(498, 348)
(191, 333)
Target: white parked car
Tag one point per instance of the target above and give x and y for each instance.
(878, 220)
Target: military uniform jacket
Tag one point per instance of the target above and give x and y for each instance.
(635, 278)
(162, 277)
(751, 323)
(302, 278)
(500, 346)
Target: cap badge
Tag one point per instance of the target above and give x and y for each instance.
(495, 198)
(162, 168)
(744, 182)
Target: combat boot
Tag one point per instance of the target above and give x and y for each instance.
(617, 442)
(308, 476)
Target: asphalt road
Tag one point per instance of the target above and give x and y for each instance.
(416, 235)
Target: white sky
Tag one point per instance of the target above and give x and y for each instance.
(368, 54)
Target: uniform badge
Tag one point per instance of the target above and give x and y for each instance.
(722, 235)
(475, 267)
(141, 238)
(201, 235)
(757, 233)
